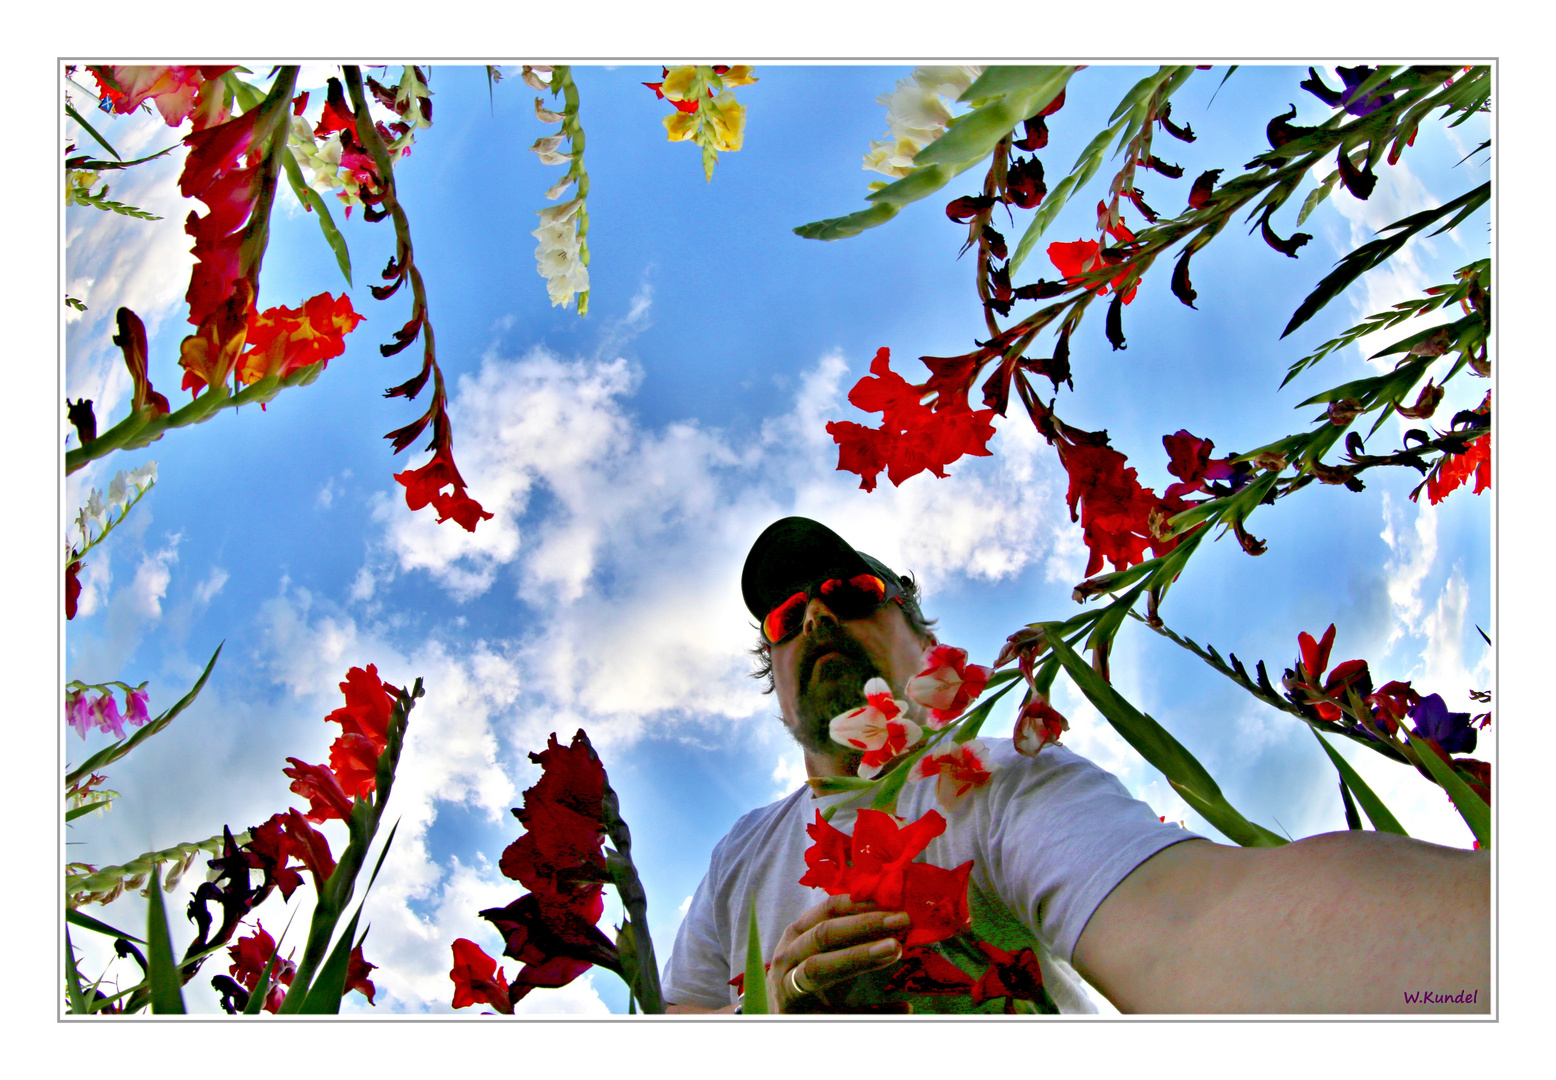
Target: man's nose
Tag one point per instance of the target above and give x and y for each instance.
(817, 612)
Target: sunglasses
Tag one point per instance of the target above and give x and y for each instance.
(851, 598)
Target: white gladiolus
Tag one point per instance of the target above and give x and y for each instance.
(557, 255)
(916, 116)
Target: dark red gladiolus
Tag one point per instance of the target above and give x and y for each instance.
(1189, 460)
(249, 956)
(269, 850)
(356, 976)
(72, 588)
(1024, 182)
(477, 978)
(1204, 184)
(924, 971)
(555, 938)
(1010, 975)
(1391, 702)
(967, 207)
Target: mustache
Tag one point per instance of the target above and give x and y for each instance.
(829, 637)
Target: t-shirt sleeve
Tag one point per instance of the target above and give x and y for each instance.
(1061, 834)
(697, 972)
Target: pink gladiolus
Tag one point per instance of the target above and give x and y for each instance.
(959, 771)
(135, 703)
(105, 711)
(78, 712)
(878, 727)
(947, 684)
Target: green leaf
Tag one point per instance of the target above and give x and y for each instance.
(113, 752)
(973, 136)
(1476, 814)
(73, 991)
(839, 228)
(1112, 616)
(1141, 91)
(1220, 84)
(86, 921)
(1154, 743)
(329, 985)
(1041, 220)
(1376, 252)
(968, 728)
(923, 180)
(1317, 195)
(161, 972)
(311, 198)
(86, 808)
(90, 130)
(1377, 813)
(755, 1000)
(1042, 83)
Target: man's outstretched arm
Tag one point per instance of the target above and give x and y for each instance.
(1339, 923)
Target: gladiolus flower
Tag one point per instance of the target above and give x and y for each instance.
(72, 588)
(878, 727)
(924, 971)
(1039, 725)
(879, 868)
(946, 684)
(959, 771)
(477, 978)
(135, 704)
(1012, 975)
(1454, 469)
(105, 712)
(177, 92)
(250, 955)
(326, 798)
(281, 340)
(79, 712)
(424, 486)
(356, 975)
(1451, 730)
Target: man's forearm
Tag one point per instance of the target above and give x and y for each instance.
(1344, 922)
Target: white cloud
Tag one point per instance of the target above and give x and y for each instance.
(788, 774)
(207, 589)
(1414, 549)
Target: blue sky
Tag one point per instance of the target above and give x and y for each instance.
(632, 456)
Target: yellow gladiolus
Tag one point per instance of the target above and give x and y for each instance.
(681, 126)
(678, 82)
(738, 75)
(729, 121)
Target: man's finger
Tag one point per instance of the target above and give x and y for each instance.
(846, 930)
(831, 908)
(824, 969)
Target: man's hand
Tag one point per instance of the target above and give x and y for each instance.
(826, 948)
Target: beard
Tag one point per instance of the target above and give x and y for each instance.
(829, 687)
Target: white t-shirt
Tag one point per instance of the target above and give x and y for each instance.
(1049, 837)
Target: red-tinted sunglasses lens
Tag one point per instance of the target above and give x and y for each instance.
(851, 599)
(854, 598)
(785, 620)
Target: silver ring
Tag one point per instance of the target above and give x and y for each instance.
(793, 979)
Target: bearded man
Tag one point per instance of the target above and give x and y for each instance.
(1067, 876)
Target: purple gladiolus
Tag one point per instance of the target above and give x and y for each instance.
(106, 712)
(78, 712)
(135, 703)
(1354, 77)
(1451, 730)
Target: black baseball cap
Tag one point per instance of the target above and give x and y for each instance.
(794, 552)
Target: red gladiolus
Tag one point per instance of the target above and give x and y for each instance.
(1188, 458)
(368, 708)
(1115, 511)
(270, 849)
(1391, 702)
(912, 437)
(424, 486)
(1038, 725)
(947, 684)
(879, 868)
(1082, 256)
(477, 978)
(326, 798)
(1455, 469)
(1315, 654)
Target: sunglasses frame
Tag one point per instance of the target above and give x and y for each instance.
(890, 594)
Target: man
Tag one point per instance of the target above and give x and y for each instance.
(1065, 862)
